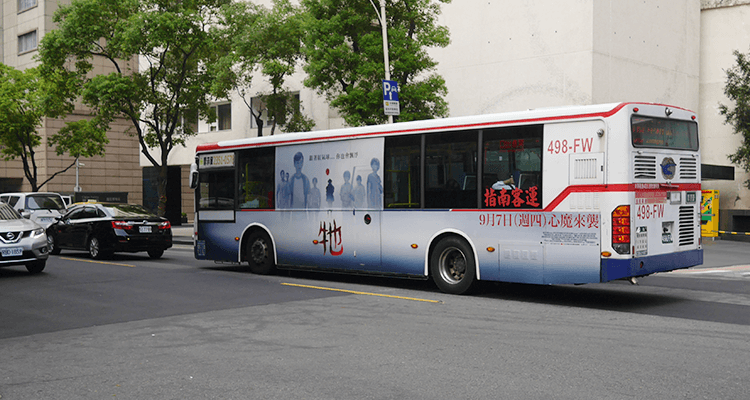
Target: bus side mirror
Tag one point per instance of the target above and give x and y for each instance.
(193, 179)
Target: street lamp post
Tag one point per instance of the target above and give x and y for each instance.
(381, 18)
(78, 164)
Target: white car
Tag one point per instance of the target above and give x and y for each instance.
(22, 241)
(42, 208)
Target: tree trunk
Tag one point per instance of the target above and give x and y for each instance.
(161, 189)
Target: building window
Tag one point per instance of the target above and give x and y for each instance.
(189, 120)
(27, 42)
(259, 108)
(24, 5)
(223, 117)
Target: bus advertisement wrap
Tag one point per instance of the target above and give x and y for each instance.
(331, 175)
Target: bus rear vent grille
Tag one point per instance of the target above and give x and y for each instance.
(688, 168)
(585, 168)
(687, 226)
(645, 167)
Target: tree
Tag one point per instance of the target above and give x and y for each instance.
(344, 53)
(173, 41)
(737, 90)
(25, 99)
(266, 41)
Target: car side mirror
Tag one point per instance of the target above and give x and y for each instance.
(24, 213)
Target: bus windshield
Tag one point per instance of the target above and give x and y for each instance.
(664, 133)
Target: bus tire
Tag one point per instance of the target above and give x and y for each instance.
(260, 253)
(452, 266)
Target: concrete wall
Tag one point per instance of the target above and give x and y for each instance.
(517, 55)
(724, 29)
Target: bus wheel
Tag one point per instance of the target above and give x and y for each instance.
(259, 253)
(452, 266)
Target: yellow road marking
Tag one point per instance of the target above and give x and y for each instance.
(364, 293)
(98, 262)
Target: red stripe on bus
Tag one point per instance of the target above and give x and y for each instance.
(623, 187)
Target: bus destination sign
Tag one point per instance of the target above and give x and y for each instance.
(216, 160)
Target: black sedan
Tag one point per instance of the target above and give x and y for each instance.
(105, 228)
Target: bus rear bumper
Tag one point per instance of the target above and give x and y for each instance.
(612, 269)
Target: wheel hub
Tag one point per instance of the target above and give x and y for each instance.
(453, 265)
(258, 251)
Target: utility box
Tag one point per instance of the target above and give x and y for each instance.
(710, 213)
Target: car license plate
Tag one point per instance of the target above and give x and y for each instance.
(46, 219)
(13, 251)
(144, 229)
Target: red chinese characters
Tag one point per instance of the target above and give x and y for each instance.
(332, 238)
(515, 198)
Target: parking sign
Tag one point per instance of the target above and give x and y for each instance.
(390, 98)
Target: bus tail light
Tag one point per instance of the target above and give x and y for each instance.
(621, 229)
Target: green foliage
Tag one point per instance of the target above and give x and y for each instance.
(266, 41)
(20, 113)
(176, 43)
(737, 89)
(344, 52)
(25, 99)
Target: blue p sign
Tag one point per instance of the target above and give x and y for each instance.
(390, 90)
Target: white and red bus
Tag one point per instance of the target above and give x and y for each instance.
(568, 195)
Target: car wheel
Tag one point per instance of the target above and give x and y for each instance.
(452, 266)
(36, 266)
(155, 253)
(94, 248)
(260, 253)
(54, 250)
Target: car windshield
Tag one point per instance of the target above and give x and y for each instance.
(44, 202)
(128, 211)
(8, 213)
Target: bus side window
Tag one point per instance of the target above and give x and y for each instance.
(216, 190)
(451, 170)
(256, 178)
(512, 167)
(401, 171)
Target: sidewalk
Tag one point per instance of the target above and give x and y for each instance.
(183, 234)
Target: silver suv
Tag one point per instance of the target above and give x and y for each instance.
(42, 208)
(22, 241)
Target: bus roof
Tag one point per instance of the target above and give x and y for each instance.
(453, 123)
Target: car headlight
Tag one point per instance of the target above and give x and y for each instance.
(37, 232)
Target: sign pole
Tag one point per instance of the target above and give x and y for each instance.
(386, 62)
(385, 48)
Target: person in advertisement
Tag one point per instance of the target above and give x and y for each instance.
(299, 185)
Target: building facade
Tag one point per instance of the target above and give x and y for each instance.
(24, 23)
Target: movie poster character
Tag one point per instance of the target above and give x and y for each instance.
(313, 198)
(374, 186)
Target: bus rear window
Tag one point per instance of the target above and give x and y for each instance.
(664, 133)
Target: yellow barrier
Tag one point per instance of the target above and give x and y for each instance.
(733, 233)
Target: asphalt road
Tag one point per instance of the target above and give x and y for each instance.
(174, 328)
